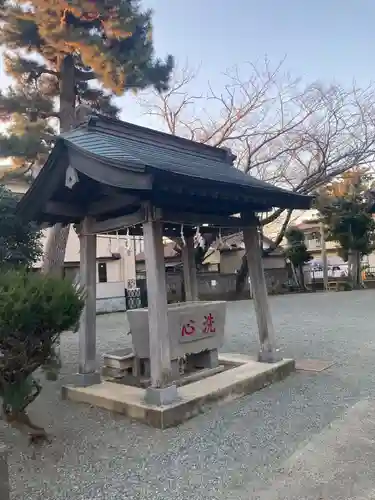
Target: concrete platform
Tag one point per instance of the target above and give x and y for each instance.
(244, 377)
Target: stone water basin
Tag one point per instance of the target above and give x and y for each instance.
(193, 327)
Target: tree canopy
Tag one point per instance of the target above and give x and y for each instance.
(63, 53)
(345, 211)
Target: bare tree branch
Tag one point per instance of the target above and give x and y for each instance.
(294, 136)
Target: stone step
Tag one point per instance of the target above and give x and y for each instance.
(123, 376)
(121, 359)
(109, 372)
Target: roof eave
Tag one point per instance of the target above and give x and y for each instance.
(28, 206)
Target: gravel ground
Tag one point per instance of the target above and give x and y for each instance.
(230, 451)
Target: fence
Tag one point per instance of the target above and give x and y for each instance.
(215, 285)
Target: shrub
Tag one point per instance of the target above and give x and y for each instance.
(20, 241)
(34, 310)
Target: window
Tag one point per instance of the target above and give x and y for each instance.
(102, 272)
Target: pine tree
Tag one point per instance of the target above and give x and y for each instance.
(61, 54)
(20, 241)
(297, 252)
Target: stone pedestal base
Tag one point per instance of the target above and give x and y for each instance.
(273, 356)
(85, 379)
(161, 396)
(204, 359)
(144, 368)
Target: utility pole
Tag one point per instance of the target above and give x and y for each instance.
(324, 255)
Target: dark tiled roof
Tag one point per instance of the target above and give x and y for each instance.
(235, 240)
(169, 253)
(132, 147)
(109, 152)
(113, 149)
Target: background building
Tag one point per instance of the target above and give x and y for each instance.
(115, 269)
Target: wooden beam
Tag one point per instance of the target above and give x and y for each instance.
(63, 209)
(96, 208)
(111, 204)
(199, 219)
(121, 222)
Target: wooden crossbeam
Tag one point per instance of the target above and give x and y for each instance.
(110, 204)
(116, 223)
(199, 219)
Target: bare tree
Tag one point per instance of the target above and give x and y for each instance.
(284, 132)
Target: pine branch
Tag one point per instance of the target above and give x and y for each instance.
(27, 145)
(19, 29)
(23, 100)
(18, 66)
(112, 40)
(105, 40)
(98, 100)
(22, 147)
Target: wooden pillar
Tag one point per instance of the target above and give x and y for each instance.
(268, 352)
(190, 270)
(87, 331)
(162, 391)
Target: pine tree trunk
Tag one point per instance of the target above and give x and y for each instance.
(350, 266)
(295, 277)
(354, 264)
(54, 254)
(301, 277)
(357, 269)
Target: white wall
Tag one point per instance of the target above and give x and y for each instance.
(274, 262)
(110, 297)
(110, 290)
(122, 269)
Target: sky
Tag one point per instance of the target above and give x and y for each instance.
(325, 40)
(321, 38)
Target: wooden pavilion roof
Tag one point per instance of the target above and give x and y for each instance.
(117, 166)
